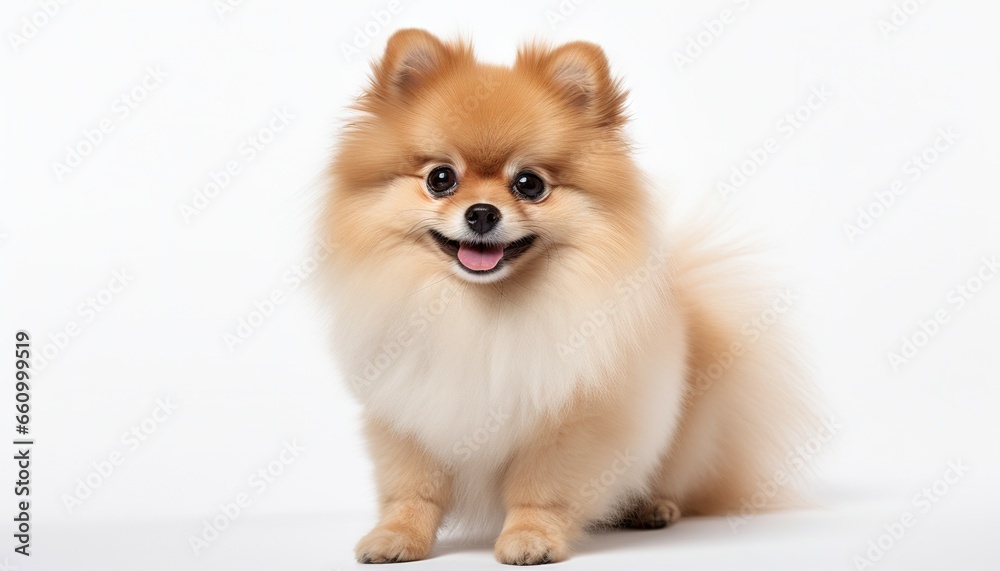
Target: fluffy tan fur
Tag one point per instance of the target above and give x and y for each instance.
(567, 389)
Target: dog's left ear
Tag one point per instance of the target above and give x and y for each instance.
(580, 73)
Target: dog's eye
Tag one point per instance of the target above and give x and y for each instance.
(442, 181)
(528, 185)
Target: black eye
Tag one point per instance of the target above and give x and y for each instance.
(528, 185)
(442, 181)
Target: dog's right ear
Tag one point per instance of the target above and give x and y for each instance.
(580, 74)
(411, 57)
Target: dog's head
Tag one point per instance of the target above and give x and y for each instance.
(487, 173)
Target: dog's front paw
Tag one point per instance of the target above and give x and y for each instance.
(388, 546)
(529, 547)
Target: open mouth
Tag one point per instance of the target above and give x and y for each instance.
(482, 257)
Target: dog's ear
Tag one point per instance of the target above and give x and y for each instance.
(411, 57)
(580, 73)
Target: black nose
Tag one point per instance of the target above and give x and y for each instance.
(482, 217)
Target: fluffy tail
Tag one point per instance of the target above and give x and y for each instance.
(750, 424)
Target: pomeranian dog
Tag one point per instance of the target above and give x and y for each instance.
(537, 352)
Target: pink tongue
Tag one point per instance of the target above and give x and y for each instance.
(479, 258)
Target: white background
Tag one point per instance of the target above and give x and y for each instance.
(163, 336)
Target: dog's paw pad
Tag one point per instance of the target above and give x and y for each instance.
(386, 546)
(528, 548)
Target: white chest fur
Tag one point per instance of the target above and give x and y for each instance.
(470, 380)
